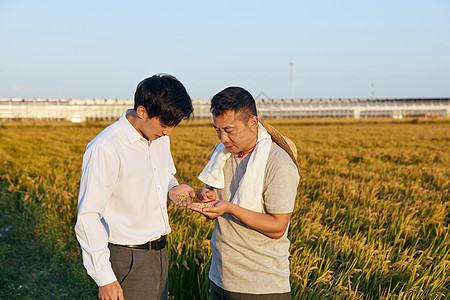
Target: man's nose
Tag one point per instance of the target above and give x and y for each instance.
(223, 137)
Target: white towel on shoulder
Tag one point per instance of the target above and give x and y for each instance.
(249, 192)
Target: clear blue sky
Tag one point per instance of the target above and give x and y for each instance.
(102, 49)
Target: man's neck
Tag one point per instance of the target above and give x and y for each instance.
(133, 117)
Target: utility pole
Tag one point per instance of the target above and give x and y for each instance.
(372, 89)
(292, 77)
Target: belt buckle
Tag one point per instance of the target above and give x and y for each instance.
(159, 243)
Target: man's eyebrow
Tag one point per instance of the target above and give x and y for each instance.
(225, 128)
(163, 125)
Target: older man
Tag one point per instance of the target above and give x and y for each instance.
(252, 183)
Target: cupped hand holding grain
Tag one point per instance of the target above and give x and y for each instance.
(181, 194)
(210, 209)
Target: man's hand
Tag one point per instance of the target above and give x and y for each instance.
(112, 291)
(211, 209)
(205, 194)
(272, 225)
(206, 198)
(181, 194)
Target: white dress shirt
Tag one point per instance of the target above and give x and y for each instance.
(123, 194)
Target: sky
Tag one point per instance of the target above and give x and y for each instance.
(338, 49)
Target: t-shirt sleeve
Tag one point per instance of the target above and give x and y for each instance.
(280, 182)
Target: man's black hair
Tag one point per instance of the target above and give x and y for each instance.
(236, 99)
(164, 97)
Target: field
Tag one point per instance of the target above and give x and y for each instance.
(371, 219)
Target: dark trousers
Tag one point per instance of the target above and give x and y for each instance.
(142, 274)
(218, 293)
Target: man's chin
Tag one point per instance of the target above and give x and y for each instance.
(232, 150)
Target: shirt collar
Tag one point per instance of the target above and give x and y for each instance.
(131, 132)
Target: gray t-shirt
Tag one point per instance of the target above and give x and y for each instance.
(243, 259)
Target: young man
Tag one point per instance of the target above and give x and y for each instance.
(122, 210)
(252, 183)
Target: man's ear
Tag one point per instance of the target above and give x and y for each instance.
(141, 111)
(253, 122)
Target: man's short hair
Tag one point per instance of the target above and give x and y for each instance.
(164, 97)
(236, 99)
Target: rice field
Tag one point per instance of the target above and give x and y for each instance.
(371, 219)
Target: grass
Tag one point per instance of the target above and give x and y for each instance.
(371, 219)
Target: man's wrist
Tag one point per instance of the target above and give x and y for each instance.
(229, 207)
(104, 277)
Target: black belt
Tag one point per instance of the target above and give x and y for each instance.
(154, 245)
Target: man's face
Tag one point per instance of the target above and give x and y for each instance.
(151, 128)
(234, 133)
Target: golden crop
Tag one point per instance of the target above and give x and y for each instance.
(371, 219)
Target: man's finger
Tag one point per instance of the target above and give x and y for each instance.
(209, 215)
(200, 196)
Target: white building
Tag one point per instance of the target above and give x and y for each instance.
(79, 110)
